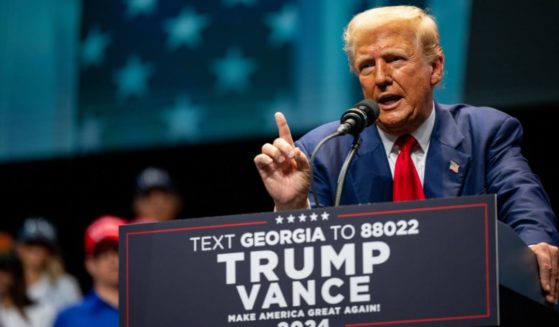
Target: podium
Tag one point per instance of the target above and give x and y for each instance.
(440, 262)
(521, 300)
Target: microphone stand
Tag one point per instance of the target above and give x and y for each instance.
(353, 121)
(343, 171)
(313, 155)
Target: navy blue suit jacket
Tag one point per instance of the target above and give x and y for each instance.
(484, 142)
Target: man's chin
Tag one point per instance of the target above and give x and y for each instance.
(394, 127)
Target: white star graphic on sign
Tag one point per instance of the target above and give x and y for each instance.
(90, 133)
(94, 46)
(313, 216)
(233, 71)
(279, 220)
(325, 215)
(131, 79)
(231, 3)
(136, 7)
(183, 119)
(290, 219)
(302, 218)
(283, 25)
(185, 29)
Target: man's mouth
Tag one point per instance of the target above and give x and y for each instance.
(389, 101)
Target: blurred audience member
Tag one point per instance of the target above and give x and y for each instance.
(156, 197)
(45, 276)
(16, 308)
(6, 242)
(100, 306)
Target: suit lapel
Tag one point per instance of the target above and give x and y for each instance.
(370, 174)
(445, 168)
(447, 163)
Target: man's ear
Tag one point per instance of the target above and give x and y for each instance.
(437, 70)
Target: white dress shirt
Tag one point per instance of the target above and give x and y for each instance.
(419, 152)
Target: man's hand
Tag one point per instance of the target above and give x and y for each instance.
(284, 169)
(548, 263)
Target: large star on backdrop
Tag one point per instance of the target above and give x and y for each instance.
(183, 119)
(233, 71)
(185, 28)
(94, 47)
(132, 79)
(283, 25)
(137, 7)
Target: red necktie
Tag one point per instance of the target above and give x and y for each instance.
(407, 185)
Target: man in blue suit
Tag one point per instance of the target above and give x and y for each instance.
(455, 149)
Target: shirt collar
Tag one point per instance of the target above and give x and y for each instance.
(422, 134)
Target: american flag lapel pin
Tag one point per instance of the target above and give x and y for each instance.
(454, 167)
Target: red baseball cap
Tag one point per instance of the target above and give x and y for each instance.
(104, 228)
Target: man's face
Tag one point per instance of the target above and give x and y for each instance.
(394, 72)
(158, 205)
(103, 267)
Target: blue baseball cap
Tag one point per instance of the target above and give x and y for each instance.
(154, 178)
(38, 230)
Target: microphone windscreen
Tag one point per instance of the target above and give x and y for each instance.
(370, 108)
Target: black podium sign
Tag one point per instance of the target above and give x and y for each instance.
(423, 263)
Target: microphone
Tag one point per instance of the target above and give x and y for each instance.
(353, 121)
(362, 115)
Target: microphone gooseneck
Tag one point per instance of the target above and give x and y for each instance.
(343, 171)
(353, 122)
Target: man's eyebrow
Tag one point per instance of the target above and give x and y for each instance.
(397, 51)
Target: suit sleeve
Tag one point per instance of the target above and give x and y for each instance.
(522, 201)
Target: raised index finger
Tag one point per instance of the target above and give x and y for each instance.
(283, 128)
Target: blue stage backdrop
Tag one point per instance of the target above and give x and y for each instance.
(80, 77)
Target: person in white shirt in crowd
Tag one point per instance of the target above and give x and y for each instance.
(16, 308)
(45, 276)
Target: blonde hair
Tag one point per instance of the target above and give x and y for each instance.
(55, 268)
(424, 26)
